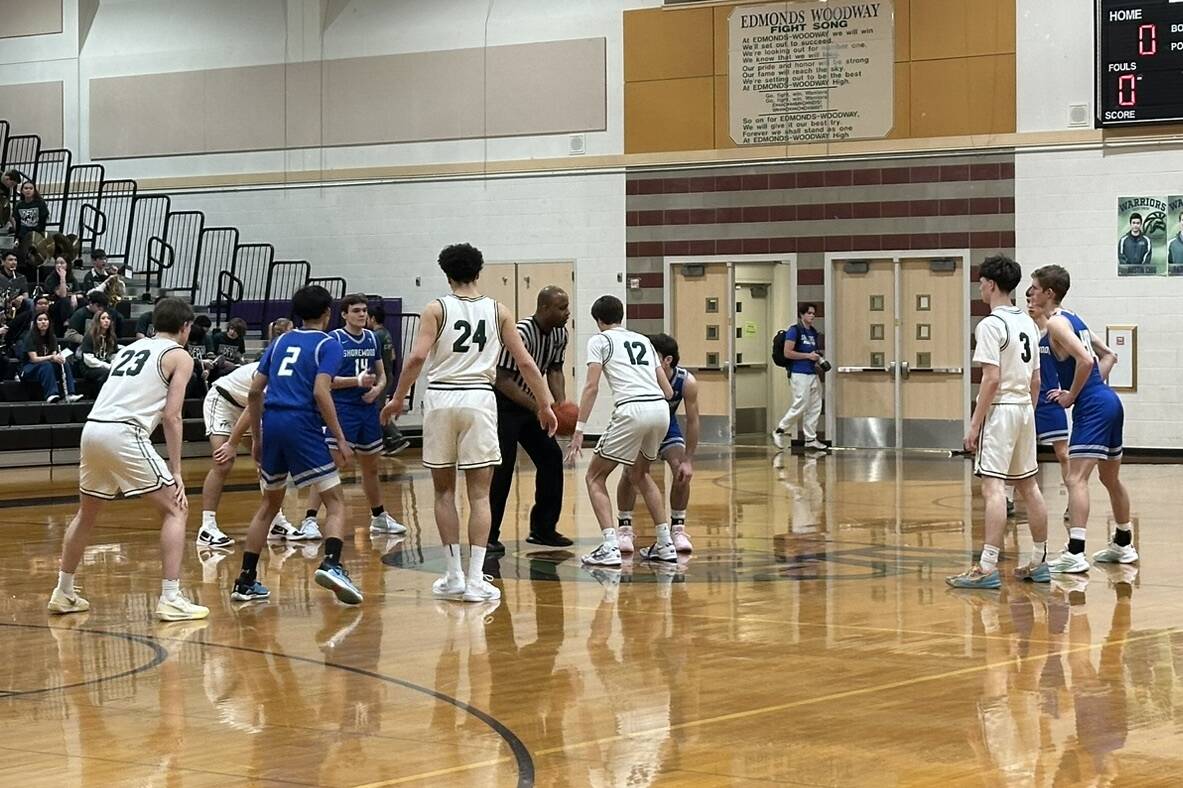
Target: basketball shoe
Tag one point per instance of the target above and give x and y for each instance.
(1069, 563)
(385, 524)
(179, 609)
(209, 535)
(659, 551)
(335, 578)
(481, 590)
(1116, 554)
(1034, 573)
(604, 555)
(682, 540)
(624, 539)
(248, 591)
(976, 578)
(449, 587)
(60, 603)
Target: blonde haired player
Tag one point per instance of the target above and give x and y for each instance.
(1002, 431)
(640, 419)
(146, 388)
(460, 339)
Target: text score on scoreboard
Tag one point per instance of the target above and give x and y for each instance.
(1139, 49)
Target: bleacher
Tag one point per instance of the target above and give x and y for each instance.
(163, 252)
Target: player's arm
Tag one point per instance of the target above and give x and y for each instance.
(587, 401)
(527, 368)
(379, 384)
(429, 328)
(1065, 339)
(504, 383)
(664, 383)
(988, 352)
(322, 393)
(178, 368)
(690, 401)
(1106, 358)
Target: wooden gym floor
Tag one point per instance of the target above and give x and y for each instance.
(810, 640)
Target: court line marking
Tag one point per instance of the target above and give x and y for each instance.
(160, 654)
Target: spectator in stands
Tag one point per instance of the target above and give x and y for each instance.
(98, 348)
(18, 327)
(231, 343)
(30, 213)
(197, 349)
(144, 327)
(98, 272)
(45, 363)
(9, 183)
(63, 288)
(14, 286)
(79, 323)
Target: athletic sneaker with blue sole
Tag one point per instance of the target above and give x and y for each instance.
(244, 592)
(1034, 573)
(336, 579)
(976, 578)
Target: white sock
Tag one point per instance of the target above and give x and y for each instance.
(452, 555)
(610, 537)
(1077, 533)
(476, 562)
(170, 589)
(625, 519)
(66, 583)
(209, 518)
(663, 533)
(1038, 552)
(989, 559)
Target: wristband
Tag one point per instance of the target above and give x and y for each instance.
(579, 425)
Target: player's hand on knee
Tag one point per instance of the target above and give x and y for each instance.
(224, 454)
(685, 472)
(179, 496)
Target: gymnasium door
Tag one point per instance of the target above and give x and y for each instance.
(701, 320)
(901, 351)
(517, 284)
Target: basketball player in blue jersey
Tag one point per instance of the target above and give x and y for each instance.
(677, 450)
(296, 372)
(1051, 421)
(357, 388)
(1083, 363)
(459, 341)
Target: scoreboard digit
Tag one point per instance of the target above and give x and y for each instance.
(1139, 46)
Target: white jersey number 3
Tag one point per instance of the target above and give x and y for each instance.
(289, 358)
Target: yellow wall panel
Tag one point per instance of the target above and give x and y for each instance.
(963, 96)
(961, 28)
(723, 39)
(722, 113)
(903, 101)
(670, 114)
(668, 44)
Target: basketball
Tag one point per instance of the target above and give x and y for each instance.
(567, 413)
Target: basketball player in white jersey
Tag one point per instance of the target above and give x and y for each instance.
(460, 338)
(146, 388)
(224, 411)
(641, 392)
(1002, 430)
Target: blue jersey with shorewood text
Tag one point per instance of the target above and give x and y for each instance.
(676, 383)
(359, 356)
(1066, 369)
(1049, 379)
(291, 364)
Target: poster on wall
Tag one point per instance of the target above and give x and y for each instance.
(1175, 237)
(1141, 236)
(811, 71)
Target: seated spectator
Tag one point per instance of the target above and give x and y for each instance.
(98, 272)
(144, 327)
(231, 343)
(63, 288)
(30, 214)
(99, 346)
(201, 361)
(44, 363)
(96, 302)
(19, 325)
(14, 287)
(9, 182)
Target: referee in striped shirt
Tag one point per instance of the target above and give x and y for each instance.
(545, 337)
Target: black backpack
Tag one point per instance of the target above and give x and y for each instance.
(778, 349)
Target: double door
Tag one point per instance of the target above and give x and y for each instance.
(898, 329)
(517, 284)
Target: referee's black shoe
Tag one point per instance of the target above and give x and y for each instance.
(550, 540)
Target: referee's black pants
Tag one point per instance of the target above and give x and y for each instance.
(516, 425)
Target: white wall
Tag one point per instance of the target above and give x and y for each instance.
(1066, 213)
(1054, 61)
(381, 237)
(150, 36)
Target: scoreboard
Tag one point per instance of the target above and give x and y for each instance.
(1139, 46)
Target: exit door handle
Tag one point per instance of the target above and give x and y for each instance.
(904, 370)
(939, 370)
(849, 370)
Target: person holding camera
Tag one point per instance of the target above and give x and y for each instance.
(802, 345)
